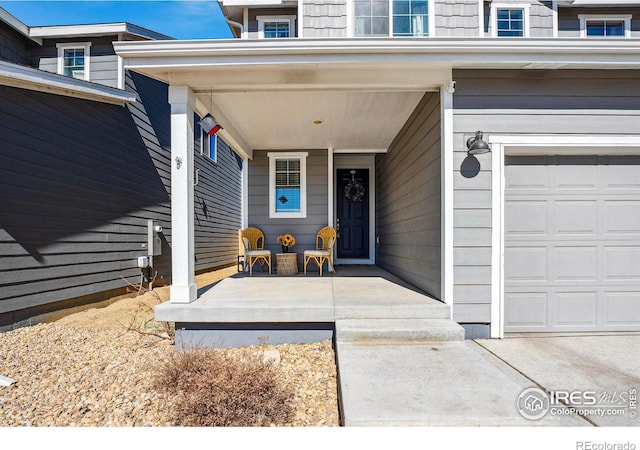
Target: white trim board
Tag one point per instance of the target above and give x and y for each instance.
(532, 144)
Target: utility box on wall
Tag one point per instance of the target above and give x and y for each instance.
(154, 242)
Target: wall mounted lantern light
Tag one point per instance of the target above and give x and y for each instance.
(209, 125)
(476, 145)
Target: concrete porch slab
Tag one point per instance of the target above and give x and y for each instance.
(357, 293)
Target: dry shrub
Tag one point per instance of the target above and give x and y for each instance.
(212, 389)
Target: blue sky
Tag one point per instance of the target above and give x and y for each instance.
(181, 19)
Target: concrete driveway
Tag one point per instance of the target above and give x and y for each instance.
(598, 375)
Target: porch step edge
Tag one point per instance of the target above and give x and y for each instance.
(405, 331)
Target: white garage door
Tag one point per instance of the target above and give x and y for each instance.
(572, 243)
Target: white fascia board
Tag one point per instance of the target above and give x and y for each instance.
(250, 3)
(38, 80)
(451, 52)
(17, 25)
(605, 2)
(97, 29)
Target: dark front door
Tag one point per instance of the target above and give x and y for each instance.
(352, 221)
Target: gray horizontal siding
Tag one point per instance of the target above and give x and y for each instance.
(252, 26)
(569, 21)
(520, 102)
(13, 45)
(304, 230)
(218, 207)
(323, 18)
(75, 196)
(456, 18)
(408, 200)
(103, 60)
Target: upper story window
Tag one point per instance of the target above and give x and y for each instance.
(73, 60)
(510, 20)
(288, 185)
(410, 18)
(276, 27)
(605, 26)
(391, 17)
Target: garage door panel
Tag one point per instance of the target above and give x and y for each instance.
(622, 308)
(526, 309)
(576, 309)
(527, 218)
(526, 264)
(572, 244)
(528, 178)
(575, 217)
(575, 263)
(622, 263)
(617, 177)
(622, 217)
(575, 177)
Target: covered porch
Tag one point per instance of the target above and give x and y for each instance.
(381, 111)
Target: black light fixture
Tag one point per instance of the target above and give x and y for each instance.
(209, 125)
(476, 145)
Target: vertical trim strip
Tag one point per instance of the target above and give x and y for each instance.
(245, 193)
(480, 18)
(446, 224)
(497, 224)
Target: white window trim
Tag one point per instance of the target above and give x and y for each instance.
(584, 18)
(494, 18)
(303, 185)
(351, 17)
(289, 19)
(86, 46)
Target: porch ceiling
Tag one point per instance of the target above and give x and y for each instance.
(266, 93)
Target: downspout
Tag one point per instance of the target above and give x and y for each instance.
(235, 24)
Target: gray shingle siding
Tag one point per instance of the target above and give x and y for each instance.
(521, 102)
(456, 18)
(408, 200)
(324, 18)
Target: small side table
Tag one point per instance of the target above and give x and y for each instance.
(287, 263)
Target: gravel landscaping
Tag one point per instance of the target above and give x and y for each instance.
(96, 368)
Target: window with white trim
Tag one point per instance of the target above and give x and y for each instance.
(73, 60)
(509, 20)
(391, 17)
(288, 185)
(608, 26)
(276, 27)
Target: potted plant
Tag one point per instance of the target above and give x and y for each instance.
(286, 241)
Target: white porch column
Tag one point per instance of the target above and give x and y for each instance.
(183, 286)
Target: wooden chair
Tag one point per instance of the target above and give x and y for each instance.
(254, 251)
(325, 240)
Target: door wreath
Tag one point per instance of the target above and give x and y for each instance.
(354, 190)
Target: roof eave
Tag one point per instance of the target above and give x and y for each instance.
(24, 77)
(453, 52)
